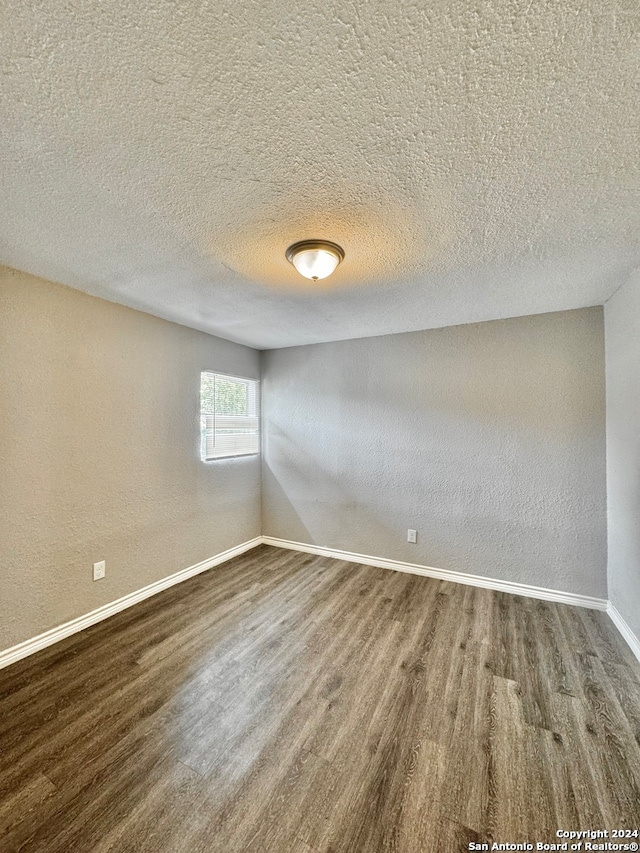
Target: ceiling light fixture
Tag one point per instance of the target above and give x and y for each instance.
(315, 259)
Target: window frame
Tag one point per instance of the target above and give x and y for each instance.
(242, 455)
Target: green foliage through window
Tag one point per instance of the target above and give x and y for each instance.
(223, 396)
(229, 416)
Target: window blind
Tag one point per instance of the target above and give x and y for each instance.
(230, 423)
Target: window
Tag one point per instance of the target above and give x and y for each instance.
(228, 416)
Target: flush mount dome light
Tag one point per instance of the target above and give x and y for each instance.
(315, 259)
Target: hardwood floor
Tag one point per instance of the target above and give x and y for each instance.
(286, 703)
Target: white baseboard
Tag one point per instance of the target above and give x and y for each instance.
(471, 580)
(632, 641)
(48, 638)
(35, 644)
(445, 574)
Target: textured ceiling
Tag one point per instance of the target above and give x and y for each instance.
(476, 160)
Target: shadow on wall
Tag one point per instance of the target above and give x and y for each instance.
(465, 523)
(308, 494)
(311, 505)
(488, 440)
(295, 529)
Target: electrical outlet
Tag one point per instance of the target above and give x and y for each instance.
(99, 570)
(412, 536)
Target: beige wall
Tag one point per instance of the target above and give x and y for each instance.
(622, 325)
(489, 439)
(99, 453)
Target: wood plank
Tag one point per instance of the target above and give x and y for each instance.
(290, 703)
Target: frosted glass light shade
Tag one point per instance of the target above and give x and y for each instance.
(315, 259)
(315, 263)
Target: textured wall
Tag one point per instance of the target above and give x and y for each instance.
(99, 454)
(622, 325)
(489, 439)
